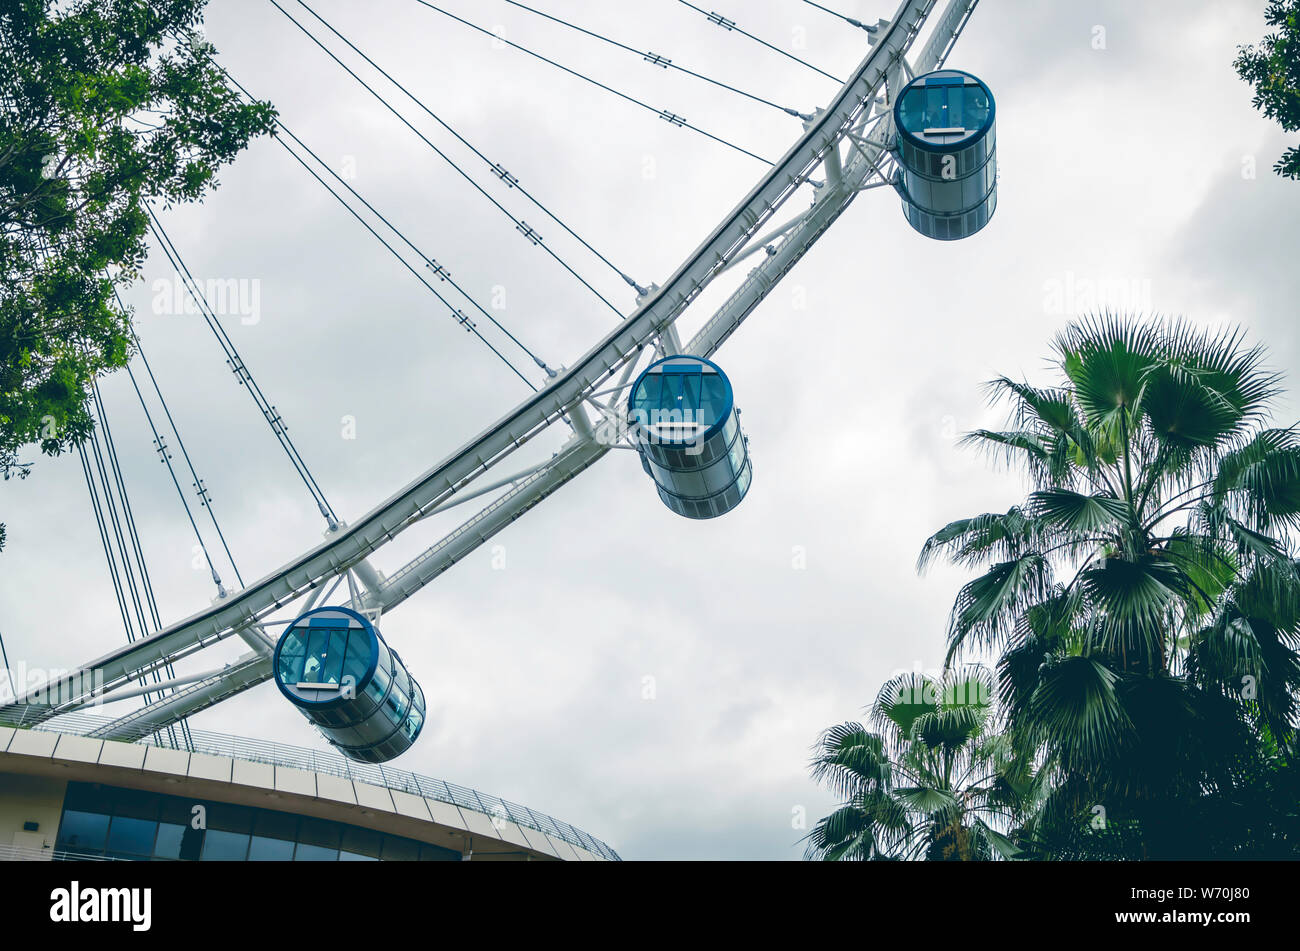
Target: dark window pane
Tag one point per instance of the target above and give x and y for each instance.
(180, 809)
(264, 849)
(168, 843)
(82, 831)
(413, 723)
(315, 853)
(87, 797)
(397, 849)
(219, 846)
(397, 705)
(691, 395)
(358, 657)
(229, 818)
(311, 670)
(648, 393)
(714, 399)
(291, 656)
(128, 836)
(192, 844)
(136, 804)
(275, 825)
(320, 833)
(671, 398)
(362, 841)
(334, 658)
(433, 853)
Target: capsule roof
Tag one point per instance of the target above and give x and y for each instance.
(681, 399)
(944, 110)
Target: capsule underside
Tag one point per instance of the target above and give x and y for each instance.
(688, 432)
(332, 664)
(947, 150)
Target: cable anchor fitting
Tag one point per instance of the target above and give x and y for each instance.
(277, 423)
(640, 291)
(528, 232)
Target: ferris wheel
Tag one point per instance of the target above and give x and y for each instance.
(902, 121)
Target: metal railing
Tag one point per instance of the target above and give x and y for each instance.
(16, 853)
(297, 757)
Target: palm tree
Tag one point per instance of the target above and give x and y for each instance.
(1144, 599)
(934, 782)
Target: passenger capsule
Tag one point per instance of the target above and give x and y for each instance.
(333, 666)
(687, 428)
(947, 152)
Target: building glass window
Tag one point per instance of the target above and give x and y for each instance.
(221, 846)
(360, 845)
(131, 838)
(129, 824)
(82, 831)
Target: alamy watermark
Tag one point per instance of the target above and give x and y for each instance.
(43, 685)
(225, 297)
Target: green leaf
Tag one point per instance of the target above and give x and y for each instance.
(1107, 359)
(1075, 711)
(1077, 512)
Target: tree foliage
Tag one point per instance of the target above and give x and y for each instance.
(1144, 600)
(932, 781)
(104, 105)
(1273, 69)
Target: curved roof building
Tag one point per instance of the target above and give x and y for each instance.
(67, 796)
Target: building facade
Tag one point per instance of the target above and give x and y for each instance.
(67, 796)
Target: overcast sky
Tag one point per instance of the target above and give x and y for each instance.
(1125, 146)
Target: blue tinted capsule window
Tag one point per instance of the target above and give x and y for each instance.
(332, 664)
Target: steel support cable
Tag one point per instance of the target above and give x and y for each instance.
(460, 318)
(494, 167)
(442, 272)
(237, 365)
(103, 538)
(166, 458)
(167, 461)
(102, 524)
(9, 671)
(128, 515)
(129, 586)
(241, 370)
(133, 534)
(656, 60)
(730, 26)
(670, 117)
(124, 552)
(835, 13)
(520, 225)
